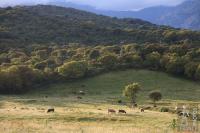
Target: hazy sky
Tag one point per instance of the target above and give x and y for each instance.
(101, 4)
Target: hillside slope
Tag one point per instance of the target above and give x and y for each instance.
(109, 86)
(51, 24)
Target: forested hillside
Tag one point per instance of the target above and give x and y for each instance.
(23, 68)
(28, 25)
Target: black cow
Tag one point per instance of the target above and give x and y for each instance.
(50, 110)
(122, 111)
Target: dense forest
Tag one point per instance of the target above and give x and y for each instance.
(44, 44)
(49, 25)
(23, 68)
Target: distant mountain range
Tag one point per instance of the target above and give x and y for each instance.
(185, 15)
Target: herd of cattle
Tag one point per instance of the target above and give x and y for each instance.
(120, 111)
(109, 111)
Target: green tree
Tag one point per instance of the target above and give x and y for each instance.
(190, 69)
(73, 69)
(18, 79)
(197, 73)
(94, 54)
(111, 49)
(170, 36)
(153, 60)
(131, 91)
(155, 96)
(132, 60)
(176, 65)
(108, 61)
(60, 53)
(42, 54)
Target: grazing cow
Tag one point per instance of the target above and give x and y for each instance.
(111, 111)
(79, 97)
(122, 111)
(142, 110)
(50, 110)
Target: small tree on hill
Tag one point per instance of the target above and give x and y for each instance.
(155, 96)
(130, 91)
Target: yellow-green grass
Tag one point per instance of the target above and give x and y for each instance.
(90, 113)
(109, 86)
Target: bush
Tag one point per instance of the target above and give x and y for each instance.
(131, 91)
(164, 109)
(131, 60)
(18, 79)
(155, 96)
(94, 54)
(73, 69)
(153, 60)
(108, 61)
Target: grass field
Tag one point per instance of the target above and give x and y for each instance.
(90, 113)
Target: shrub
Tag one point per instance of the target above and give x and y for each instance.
(164, 109)
(108, 61)
(18, 79)
(73, 69)
(130, 91)
(155, 96)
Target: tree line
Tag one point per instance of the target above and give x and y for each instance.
(23, 68)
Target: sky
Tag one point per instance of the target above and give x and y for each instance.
(101, 4)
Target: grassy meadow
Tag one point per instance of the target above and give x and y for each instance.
(27, 112)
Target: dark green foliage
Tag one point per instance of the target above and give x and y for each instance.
(49, 25)
(94, 54)
(155, 96)
(131, 60)
(153, 60)
(73, 69)
(17, 79)
(131, 91)
(23, 68)
(175, 65)
(108, 61)
(164, 109)
(190, 69)
(197, 73)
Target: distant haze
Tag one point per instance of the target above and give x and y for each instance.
(100, 4)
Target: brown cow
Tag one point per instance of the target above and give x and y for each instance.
(122, 111)
(142, 110)
(111, 111)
